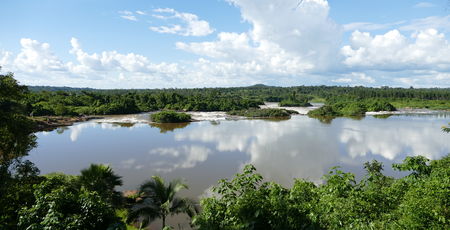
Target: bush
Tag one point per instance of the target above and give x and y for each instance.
(294, 103)
(170, 117)
(263, 113)
(417, 201)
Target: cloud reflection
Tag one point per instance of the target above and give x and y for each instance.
(393, 141)
(305, 148)
(179, 157)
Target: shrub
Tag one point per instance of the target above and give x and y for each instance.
(170, 117)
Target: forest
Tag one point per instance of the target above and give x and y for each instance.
(344, 101)
(90, 200)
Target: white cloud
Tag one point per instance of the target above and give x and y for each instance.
(435, 22)
(284, 40)
(285, 45)
(356, 79)
(128, 15)
(426, 49)
(424, 5)
(192, 25)
(36, 57)
(368, 26)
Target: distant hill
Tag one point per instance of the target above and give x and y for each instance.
(259, 86)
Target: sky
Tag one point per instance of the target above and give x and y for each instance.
(224, 43)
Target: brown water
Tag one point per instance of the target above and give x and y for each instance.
(206, 151)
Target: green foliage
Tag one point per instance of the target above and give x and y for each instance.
(17, 177)
(16, 137)
(296, 100)
(342, 106)
(417, 201)
(102, 180)
(61, 204)
(417, 165)
(71, 101)
(16, 191)
(158, 200)
(170, 117)
(263, 113)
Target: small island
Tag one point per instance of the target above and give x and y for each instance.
(263, 113)
(351, 108)
(295, 100)
(170, 117)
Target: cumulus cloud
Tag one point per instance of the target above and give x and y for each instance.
(426, 49)
(192, 25)
(285, 45)
(37, 57)
(285, 40)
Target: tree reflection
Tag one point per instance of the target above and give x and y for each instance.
(166, 127)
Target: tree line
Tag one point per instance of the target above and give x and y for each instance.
(44, 101)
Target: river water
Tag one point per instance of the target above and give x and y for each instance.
(219, 146)
(203, 152)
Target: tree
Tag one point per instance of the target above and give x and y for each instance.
(158, 200)
(102, 179)
(62, 204)
(16, 140)
(16, 137)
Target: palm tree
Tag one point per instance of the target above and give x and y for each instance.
(158, 200)
(103, 180)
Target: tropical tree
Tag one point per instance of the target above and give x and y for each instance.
(62, 204)
(17, 177)
(158, 200)
(102, 179)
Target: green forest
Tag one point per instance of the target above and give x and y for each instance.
(344, 101)
(90, 200)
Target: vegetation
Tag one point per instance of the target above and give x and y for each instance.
(61, 203)
(295, 100)
(263, 113)
(417, 201)
(17, 177)
(170, 117)
(45, 101)
(336, 107)
(158, 200)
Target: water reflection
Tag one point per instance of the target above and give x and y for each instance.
(179, 157)
(165, 127)
(203, 152)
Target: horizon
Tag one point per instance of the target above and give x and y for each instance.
(245, 86)
(162, 44)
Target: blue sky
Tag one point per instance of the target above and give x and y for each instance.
(212, 43)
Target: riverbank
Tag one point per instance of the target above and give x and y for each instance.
(49, 123)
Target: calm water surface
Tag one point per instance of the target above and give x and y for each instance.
(204, 152)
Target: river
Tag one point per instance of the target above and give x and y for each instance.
(219, 146)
